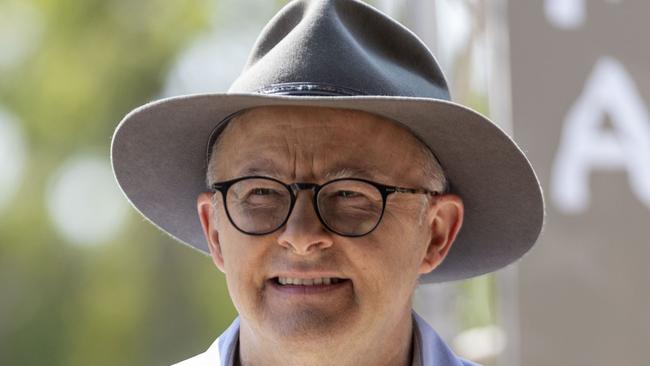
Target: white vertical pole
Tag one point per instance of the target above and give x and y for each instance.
(499, 98)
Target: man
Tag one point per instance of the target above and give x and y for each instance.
(332, 178)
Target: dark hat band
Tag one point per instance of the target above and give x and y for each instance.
(301, 88)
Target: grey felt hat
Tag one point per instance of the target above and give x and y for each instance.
(343, 54)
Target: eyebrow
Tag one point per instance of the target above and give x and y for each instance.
(262, 171)
(267, 167)
(264, 167)
(354, 172)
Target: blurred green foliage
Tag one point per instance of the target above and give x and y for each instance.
(140, 299)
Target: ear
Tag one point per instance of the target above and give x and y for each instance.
(445, 219)
(207, 215)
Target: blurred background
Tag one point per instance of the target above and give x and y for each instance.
(84, 280)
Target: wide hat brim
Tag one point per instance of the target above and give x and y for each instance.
(159, 160)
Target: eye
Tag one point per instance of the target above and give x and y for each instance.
(263, 196)
(262, 191)
(348, 194)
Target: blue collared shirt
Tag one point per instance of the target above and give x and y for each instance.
(428, 348)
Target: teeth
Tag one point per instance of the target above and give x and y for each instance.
(308, 281)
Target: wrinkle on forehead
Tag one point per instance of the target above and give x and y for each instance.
(268, 168)
(317, 143)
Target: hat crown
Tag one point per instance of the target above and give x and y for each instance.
(339, 47)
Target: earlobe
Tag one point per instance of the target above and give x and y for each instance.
(207, 215)
(445, 222)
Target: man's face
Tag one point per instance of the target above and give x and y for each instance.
(376, 273)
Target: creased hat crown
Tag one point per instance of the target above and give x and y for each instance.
(339, 54)
(339, 47)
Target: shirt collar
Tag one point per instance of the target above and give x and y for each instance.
(428, 348)
(434, 351)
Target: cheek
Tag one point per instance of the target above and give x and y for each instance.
(243, 267)
(400, 250)
(238, 250)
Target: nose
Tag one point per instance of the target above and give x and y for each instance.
(303, 233)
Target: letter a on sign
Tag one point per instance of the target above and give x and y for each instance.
(566, 14)
(586, 146)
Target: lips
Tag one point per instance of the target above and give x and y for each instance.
(307, 286)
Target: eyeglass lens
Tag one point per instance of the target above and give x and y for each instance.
(347, 207)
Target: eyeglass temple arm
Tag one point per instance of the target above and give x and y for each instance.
(412, 190)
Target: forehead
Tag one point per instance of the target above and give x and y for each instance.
(287, 139)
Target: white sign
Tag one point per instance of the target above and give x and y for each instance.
(587, 146)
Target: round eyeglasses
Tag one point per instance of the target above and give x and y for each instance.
(351, 207)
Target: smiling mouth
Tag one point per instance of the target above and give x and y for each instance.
(321, 281)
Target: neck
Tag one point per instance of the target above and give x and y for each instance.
(381, 346)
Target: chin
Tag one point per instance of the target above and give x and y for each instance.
(310, 324)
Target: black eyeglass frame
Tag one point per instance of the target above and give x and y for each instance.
(294, 188)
